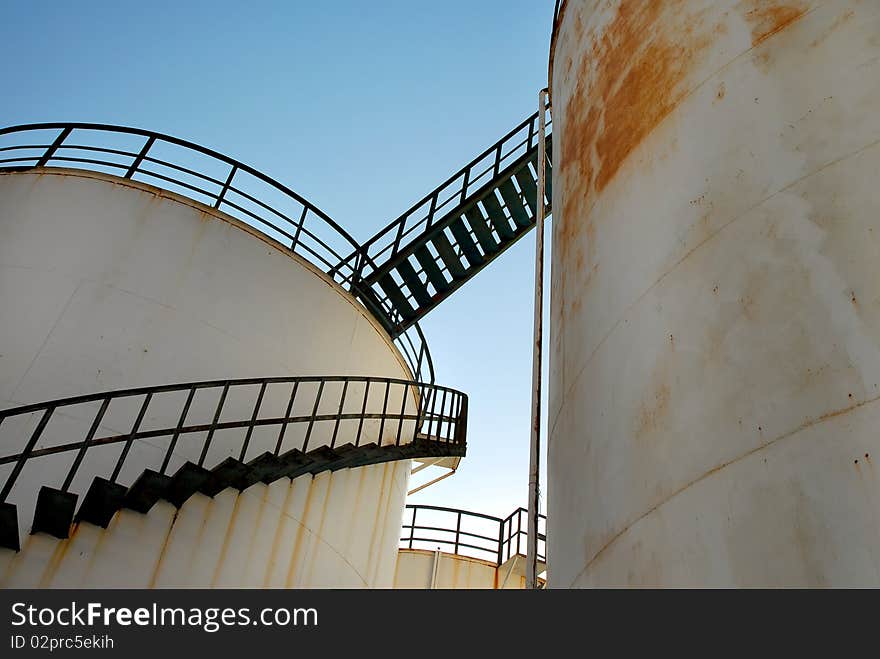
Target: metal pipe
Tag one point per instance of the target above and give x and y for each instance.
(434, 569)
(535, 446)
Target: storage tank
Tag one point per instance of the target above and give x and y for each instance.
(107, 283)
(715, 322)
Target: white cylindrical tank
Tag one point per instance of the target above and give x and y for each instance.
(107, 283)
(715, 359)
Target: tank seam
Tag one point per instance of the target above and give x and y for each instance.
(704, 242)
(805, 425)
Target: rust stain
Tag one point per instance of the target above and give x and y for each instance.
(840, 20)
(300, 532)
(651, 412)
(722, 90)
(629, 78)
(279, 534)
(224, 548)
(56, 559)
(766, 19)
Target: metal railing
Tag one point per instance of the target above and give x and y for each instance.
(467, 533)
(182, 422)
(470, 179)
(208, 177)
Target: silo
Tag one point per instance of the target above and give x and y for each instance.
(715, 323)
(108, 282)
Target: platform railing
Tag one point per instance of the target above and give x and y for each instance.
(467, 533)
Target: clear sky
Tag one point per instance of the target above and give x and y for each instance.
(362, 108)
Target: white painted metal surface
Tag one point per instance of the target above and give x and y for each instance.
(715, 313)
(106, 284)
(424, 569)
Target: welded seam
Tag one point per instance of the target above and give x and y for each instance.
(312, 531)
(806, 424)
(675, 266)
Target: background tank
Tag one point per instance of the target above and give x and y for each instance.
(715, 359)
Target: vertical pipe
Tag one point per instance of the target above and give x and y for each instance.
(434, 569)
(534, 452)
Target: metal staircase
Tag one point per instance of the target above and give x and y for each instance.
(427, 253)
(380, 419)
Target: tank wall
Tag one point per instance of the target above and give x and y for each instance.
(336, 530)
(715, 312)
(415, 569)
(107, 284)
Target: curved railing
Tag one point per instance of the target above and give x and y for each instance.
(467, 533)
(218, 434)
(208, 177)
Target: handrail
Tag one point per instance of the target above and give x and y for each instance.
(489, 538)
(238, 190)
(408, 408)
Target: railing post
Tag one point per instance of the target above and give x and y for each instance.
(85, 445)
(357, 440)
(225, 186)
(140, 157)
(210, 436)
(402, 411)
(457, 532)
(339, 414)
(314, 413)
(412, 528)
(286, 417)
(54, 147)
(128, 442)
(500, 541)
(28, 449)
(250, 430)
(180, 422)
(302, 220)
(384, 411)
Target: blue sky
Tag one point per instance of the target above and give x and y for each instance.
(362, 108)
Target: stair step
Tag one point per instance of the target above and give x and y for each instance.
(9, 526)
(264, 467)
(450, 258)
(54, 512)
(530, 189)
(514, 204)
(466, 243)
(101, 502)
(415, 285)
(398, 299)
(348, 455)
(146, 491)
(322, 456)
(293, 463)
(481, 230)
(188, 480)
(429, 265)
(496, 214)
(223, 475)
